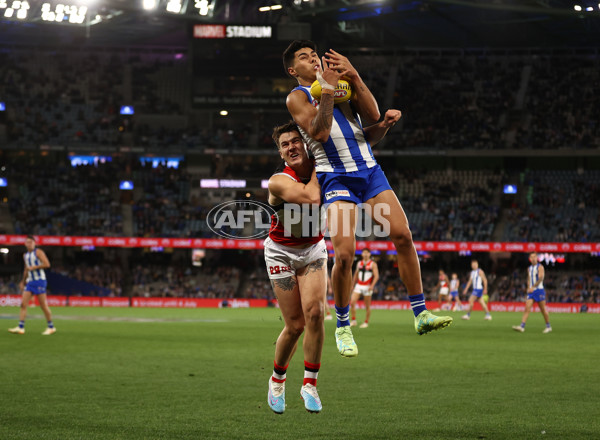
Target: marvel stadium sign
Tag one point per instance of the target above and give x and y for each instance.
(223, 31)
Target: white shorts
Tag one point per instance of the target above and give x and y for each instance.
(283, 261)
(363, 290)
(444, 291)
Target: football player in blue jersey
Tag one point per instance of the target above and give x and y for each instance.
(479, 282)
(349, 176)
(535, 293)
(34, 283)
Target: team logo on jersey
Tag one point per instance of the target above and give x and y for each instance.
(240, 219)
(337, 193)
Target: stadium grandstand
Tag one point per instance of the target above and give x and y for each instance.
(134, 124)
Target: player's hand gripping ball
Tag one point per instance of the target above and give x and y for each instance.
(342, 92)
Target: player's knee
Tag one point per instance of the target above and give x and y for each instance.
(402, 238)
(295, 328)
(314, 314)
(344, 258)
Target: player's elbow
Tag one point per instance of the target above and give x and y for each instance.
(375, 115)
(314, 197)
(321, 136)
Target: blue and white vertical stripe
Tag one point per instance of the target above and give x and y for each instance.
(534, 276)
(31, 260)
(347, 149)
(476, 280)
(453, 285)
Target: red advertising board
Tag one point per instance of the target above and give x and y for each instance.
(218, 243)
(88, 301)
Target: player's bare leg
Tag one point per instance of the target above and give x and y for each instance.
(385, 205)
(472, 299)
(353, 302)
(44, 306)
(20, 329)
(24, 304)
(528, 307)
(288, 297)
(487, 317)
(341, 218)
(389, 214)
(312, 281)
(544, 310)
(368, 312)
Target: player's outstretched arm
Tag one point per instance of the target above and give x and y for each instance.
(376, 132)
(362, 98)
(284, 188)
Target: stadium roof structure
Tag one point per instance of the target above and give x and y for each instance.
(380, 24)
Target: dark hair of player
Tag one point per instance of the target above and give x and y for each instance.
(285, 128)
(295, 46)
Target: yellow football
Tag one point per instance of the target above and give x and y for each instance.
(342, 92)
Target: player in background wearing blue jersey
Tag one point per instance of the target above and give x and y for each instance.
(535, 293)
(34, 283)
(350, 176)
(478, 280)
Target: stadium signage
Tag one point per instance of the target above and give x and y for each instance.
(238, 100)
(92, 301)
(220, 31)
(229, 243)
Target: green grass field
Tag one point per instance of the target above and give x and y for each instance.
(202, 374)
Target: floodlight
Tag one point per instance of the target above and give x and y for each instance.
(174, 6)
(149, 4)
(203, 6)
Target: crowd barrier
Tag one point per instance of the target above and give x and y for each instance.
(194, 303)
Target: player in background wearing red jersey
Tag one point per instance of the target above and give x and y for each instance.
(365, 278)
